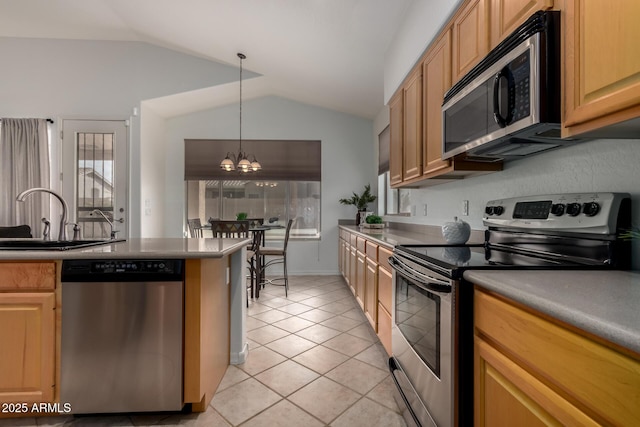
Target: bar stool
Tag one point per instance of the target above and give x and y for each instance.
(279, 257)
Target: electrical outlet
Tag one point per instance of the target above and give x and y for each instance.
(465, 207)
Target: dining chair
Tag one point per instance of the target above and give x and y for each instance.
(255, 222)
(195, 227)
(279, 256)
(230, 229)
(254, 265)
(15, 231)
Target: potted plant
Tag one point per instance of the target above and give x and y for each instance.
(241, 216)
(373, 221)
(360, 201)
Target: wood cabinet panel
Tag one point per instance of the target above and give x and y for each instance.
(27, 349)
(207, 333)
(385, 288)
(412, 141)
(601, 64)
(437, 80)
(361, 243)
(396, 137)
(372, 251)
(384, 328)
(470, 38)
(507, 395)
(384, 254)
(27, 275)
(371, 293)
(597, 379)
(507, 15)
(360, 285)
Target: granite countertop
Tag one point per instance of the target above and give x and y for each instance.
(139, 248)
(603, 303)
(392, 237)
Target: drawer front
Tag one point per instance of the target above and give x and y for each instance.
(27, 276)
(384, 328)
(361, 244)
(372, 251)
(383, 257)
(385, 288)
(593, 375)
(352, 239)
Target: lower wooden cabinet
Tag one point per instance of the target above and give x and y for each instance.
(369, 277)
(206, 329)
(371, 293)
(27, 347)
(530, 370)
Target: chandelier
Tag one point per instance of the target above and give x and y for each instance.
(240, 161)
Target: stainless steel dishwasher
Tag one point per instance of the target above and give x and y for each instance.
(122, 328)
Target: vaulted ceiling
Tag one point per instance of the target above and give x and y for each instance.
(328, 53)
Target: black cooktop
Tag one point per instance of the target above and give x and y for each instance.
(452, 260)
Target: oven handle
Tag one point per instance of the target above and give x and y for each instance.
(423, 281)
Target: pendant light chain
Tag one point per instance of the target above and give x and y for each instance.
(241, 162)
(241, 56)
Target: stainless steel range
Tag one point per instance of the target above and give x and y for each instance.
(432, 334)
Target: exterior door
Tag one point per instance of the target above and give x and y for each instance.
(95, 175)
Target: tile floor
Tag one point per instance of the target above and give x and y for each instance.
(314, 360)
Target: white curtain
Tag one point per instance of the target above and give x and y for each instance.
(24, 164)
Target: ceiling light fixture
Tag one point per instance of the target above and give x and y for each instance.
(241, 161)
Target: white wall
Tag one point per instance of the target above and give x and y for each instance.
(423, 21)
(98, 79)
(347, 160)
(151, 170)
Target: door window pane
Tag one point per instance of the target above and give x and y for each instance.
(95, 178)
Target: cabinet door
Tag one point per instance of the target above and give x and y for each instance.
(27, 349)
(371, 293)
(361, 268)
(384, 328)
(507, 15)
(470, 39)
(412, 141)
(602, 64)
(396, 131)
(507, 395)
(385, 287)
(353, 267)
(437, 80)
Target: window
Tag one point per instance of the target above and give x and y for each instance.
(274, 201)
(287, 186)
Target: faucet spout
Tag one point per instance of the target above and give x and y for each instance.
(62, 235)
(106, 218)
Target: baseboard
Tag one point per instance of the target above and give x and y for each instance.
(241, 357)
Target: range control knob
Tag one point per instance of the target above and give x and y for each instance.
(591, 208)
(573, 209)
(489, 210)
(498, 210)
(557, 209)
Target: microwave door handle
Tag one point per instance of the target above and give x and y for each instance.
(497, 114)
(424, 281)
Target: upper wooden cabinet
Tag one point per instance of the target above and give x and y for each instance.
(396, 130)
(436, 69)
(470, 37)
(601, 64)
(412, 149)
(507, 15)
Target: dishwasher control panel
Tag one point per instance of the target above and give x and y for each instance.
(115, 269)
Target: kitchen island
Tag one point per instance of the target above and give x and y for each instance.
(31, 307)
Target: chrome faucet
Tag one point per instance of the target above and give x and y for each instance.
(98, 211)
(47, 229)
(62, 235)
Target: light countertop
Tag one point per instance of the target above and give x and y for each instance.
(603, 303)
(139, 248)
(392, 237)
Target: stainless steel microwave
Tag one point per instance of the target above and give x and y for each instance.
(508, 106)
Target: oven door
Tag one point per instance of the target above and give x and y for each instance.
(422, 343)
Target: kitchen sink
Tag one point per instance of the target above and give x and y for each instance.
(51, 245)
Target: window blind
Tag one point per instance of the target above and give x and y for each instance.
(281, 160)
